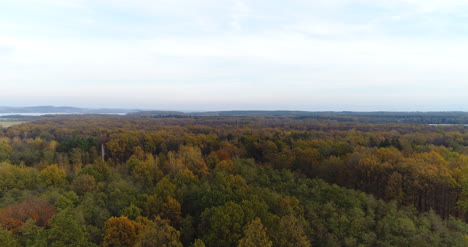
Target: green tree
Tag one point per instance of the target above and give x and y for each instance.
(165, 188)
(66, 200)
(7, 239)
(222, 226)
(199, 243)
(158, 233)
(255, 235)
(132, 211)
(84, 183)
(67, 231)
(31, 233)
(291, 233)
(5, 151)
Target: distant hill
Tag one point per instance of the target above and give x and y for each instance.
(343, 116)
(454, 117)
(333, 113)
(159, 114)
(253, 113)
(62, 109)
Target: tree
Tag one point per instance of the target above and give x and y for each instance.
(66, 200)
(53, 176)
(31, 234)
(199, 243)
(102, 169)
(99, 170)
(40, 210)
(167, 208)
(76, 158)
(289, 205)
(146, 172)
(171, 210)
(5, 151)
(187, 230)
(291, 233)
(269, 151)
(165, 188)
(255, 235)
(15, 177)
(84, 183)
(193, 159)
(394, 189)
(306, 159)
(132, 211)
(7, 239)
(66, 231)
(222, 226)
(158, 233)
(120, 231)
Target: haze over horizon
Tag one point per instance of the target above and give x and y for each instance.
(353, 55)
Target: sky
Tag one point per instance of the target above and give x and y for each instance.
(316, 55)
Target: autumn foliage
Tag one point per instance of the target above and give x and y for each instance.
(40, 210)
(232, 181)
(120, 231)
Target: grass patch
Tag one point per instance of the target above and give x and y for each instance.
(8, 123)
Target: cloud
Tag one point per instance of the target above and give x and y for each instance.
(234, 53)
(6, 51)
(267, 56)
(429, 6)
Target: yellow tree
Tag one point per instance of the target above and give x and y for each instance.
(394, 188)
(53, 176)
(120, 231)
(291, 233)
(255, 235)
(158, 233)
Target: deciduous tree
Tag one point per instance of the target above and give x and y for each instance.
(120, 231)
(255, 235)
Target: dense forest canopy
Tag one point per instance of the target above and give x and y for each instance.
(343, 116)
(232, 181)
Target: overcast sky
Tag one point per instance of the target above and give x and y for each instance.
(231, 54)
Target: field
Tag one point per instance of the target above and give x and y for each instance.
(10, 122)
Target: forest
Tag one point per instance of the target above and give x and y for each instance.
(285, 181)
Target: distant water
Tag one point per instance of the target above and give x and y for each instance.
(51, 113)
(448, 124)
